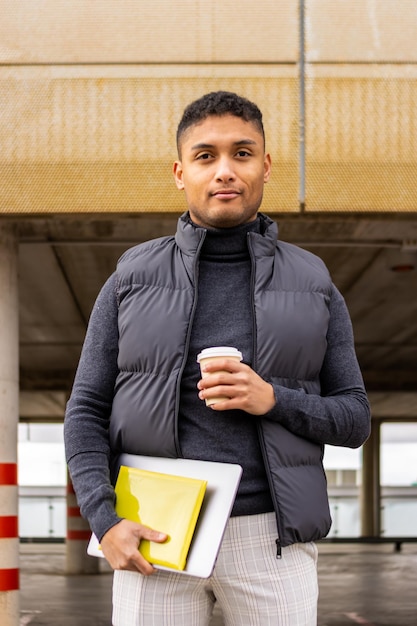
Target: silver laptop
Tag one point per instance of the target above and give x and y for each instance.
(222, 484)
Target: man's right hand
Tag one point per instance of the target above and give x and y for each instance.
(120, 546)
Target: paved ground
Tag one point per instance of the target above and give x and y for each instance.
(370, 585)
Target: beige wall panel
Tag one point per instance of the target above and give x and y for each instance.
(361, 30)
(361, 139)
(92, 144)
(148, 31)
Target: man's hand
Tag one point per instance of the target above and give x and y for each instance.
(245, 388)
(120, 546)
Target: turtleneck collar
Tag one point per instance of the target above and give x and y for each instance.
(230, 243)
(264, 230)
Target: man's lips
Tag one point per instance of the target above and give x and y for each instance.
(226, 194)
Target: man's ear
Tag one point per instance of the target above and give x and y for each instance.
(267, 167)
(177, 171)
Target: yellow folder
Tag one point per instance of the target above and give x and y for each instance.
(164, 502)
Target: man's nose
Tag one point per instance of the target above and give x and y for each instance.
(225, 170)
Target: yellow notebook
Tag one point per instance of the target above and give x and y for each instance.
(170, 504)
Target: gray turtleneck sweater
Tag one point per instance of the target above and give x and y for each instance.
(224, 318)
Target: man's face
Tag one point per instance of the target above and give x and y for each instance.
(222, 171)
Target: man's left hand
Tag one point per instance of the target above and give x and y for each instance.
(237, 381)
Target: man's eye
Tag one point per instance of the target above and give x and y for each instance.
(204, 156)
(243, 153)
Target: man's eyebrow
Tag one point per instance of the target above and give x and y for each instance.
(245, 142)
(202, 146)
(241, 142)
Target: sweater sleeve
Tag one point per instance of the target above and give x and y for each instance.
(340, 415)
(88, 412)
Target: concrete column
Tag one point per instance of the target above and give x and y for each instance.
(78, 535)
(371, 484)
(9, 418)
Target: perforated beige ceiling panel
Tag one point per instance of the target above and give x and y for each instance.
(91, 93)
(361, 111)
(93, 144)
(361, 139)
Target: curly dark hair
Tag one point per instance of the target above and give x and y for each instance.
(219, 103)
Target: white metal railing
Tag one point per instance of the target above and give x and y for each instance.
(43, 512)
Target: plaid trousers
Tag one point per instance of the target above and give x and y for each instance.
(251, 586)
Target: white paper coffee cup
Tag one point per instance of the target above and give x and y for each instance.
(208, 355)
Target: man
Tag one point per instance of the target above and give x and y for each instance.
(224, 279)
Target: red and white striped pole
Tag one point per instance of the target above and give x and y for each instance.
(9, 418)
